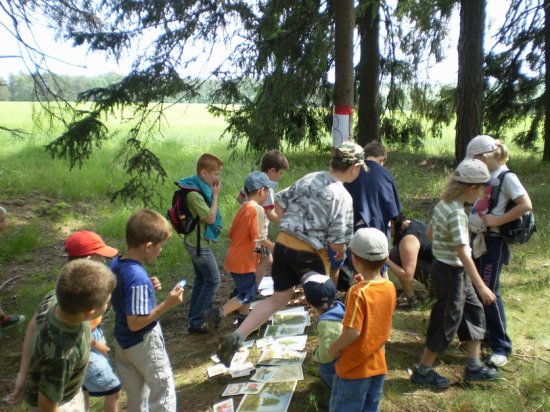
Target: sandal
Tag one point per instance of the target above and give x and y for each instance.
(407, 302)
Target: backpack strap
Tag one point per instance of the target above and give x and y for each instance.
(493, 200)
(196, 217)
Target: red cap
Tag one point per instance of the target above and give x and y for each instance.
(85, 243)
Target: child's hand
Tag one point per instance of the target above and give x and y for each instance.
(491, 220)
(101, 347)
(216, 187)
(156, 283)
(175, 297)
(18, 391)
(358, 278)
(333, 352)
(486, 295)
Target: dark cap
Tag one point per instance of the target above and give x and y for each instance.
(318, 289)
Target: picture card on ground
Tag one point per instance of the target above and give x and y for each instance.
(277, 331)
(241, 370)
(276, 357)
(224, 406)
(239, 358)
(291, 318)
(289, 342)
(278, 373)
(233, 389)
(218, 369)
(251, 388)
(274, 397)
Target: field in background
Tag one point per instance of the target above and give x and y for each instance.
(47, 202)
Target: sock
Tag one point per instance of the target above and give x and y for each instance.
(423, 369)
(474, 363)
(240, 335)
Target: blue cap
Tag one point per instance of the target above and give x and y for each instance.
(257, 180)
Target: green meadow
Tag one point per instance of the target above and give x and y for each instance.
(46, 202)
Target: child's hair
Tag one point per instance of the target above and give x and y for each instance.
(144, 226)
(370, 265)
(502, 154)
(273, 159)
(398, 229)
(375, 149)
(453, 189)
(208, 162)
(82, 285)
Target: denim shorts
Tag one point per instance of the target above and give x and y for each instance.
(356, 394)
(100, 379)
(245, 283)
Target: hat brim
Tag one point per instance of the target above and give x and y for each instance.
(107, 251)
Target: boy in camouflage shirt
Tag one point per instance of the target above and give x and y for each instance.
(61, 343)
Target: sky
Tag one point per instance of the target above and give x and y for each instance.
(69, 60)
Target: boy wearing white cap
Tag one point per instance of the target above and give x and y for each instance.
(455, 280)
(361, 367)
(320, 292)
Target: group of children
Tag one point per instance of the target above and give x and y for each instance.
(315, 211)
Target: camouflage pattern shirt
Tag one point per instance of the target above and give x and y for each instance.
(59, 356)
(317, 209)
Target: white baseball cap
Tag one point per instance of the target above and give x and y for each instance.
(472, 171)
(370, 243)
(479, 145)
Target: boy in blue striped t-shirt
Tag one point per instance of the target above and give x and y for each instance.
(141, 359)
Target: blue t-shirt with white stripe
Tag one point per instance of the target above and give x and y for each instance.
(134, 295)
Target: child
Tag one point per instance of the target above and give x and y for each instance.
(60, 346)
(320, 292)
(246, 236)
(100, 379)
(315, 210)
(7, 320)
(274, 164)
(489, 264)
(370, 304)
(455, 280)
(88, 245)
(375, 199)
(203, 203)
(141, 359)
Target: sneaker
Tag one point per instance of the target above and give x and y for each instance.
(497, 360)
(212, 320)
(483, 373)
(229, 345)
(407, 302)
(200, 330)
(432, 379)
(9, 320)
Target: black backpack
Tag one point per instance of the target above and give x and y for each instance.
(516, 231)
(179, 214)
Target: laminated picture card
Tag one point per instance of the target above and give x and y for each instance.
(274, 397)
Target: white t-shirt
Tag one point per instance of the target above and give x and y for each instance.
(511, 189)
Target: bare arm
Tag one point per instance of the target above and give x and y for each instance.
(268, 244)
(340, 249)
(19, 390)
(136, 322)
(273, 216)
(348, 336)
(523, 205)
(408, 252)
(465, 256)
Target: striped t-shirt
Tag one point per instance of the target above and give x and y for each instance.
(134, 295)
(450, 229)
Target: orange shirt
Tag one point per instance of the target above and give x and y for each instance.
(247, 229)
(369, 308)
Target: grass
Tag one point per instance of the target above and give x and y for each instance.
(47, 202)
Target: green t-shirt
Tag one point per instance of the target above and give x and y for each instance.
(197, 206)
(59, 356)
(449, 229)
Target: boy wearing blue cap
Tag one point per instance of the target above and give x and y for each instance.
(320, 292)
(246, 238)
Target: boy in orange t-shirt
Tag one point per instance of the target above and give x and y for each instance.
(370, 304)
(246, 237)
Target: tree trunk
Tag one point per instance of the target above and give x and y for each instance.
(546, 153)
(369, 72)
(469, 115)
(344, 21)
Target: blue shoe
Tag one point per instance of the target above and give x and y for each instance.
(431, 379)
(483, 373)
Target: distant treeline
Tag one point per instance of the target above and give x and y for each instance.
(20, 87)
